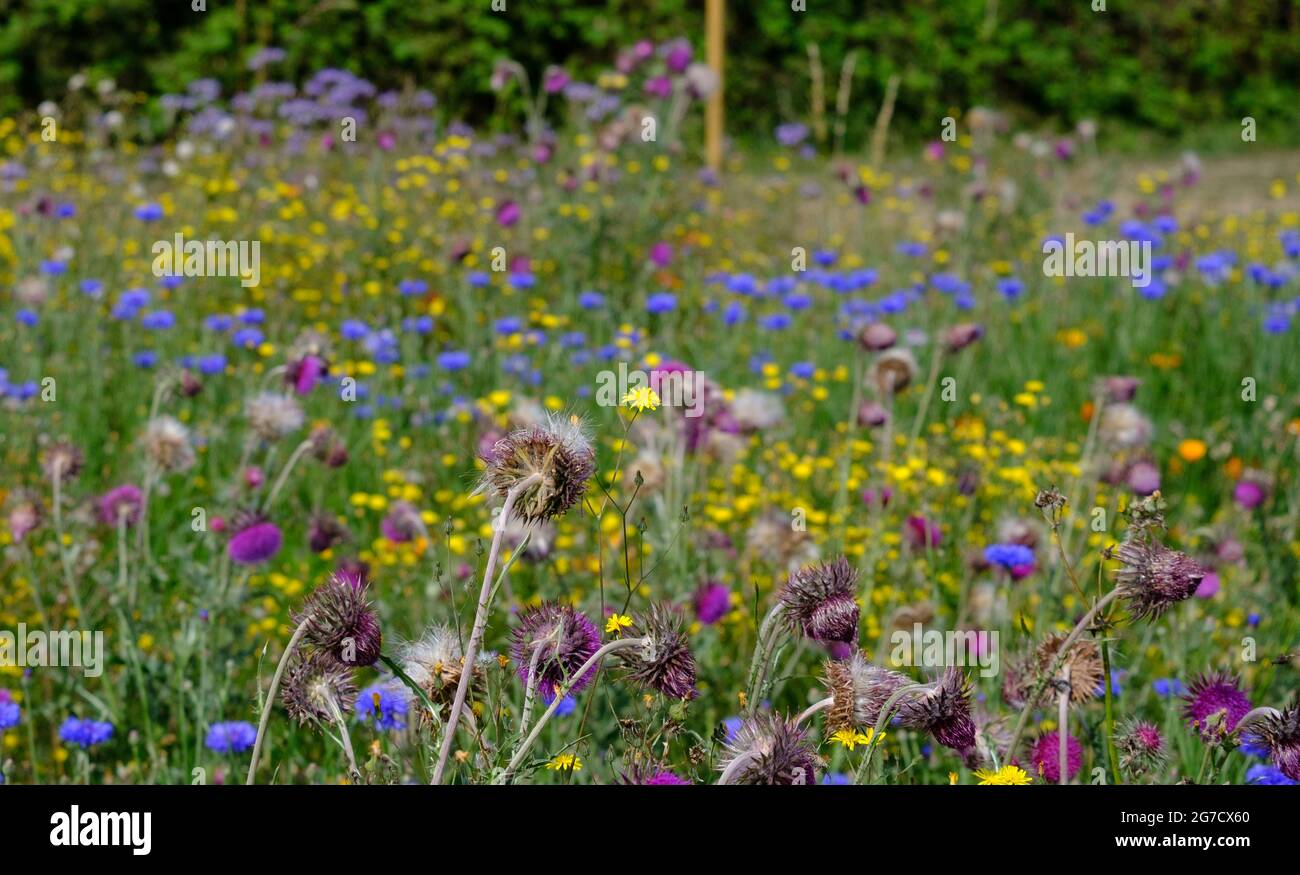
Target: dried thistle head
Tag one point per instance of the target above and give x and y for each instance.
(820, 600)
(434, 661)
(315, 685)
(559, 451)
(893, 371)
(1124, 427)
(273, 416)
(341, 622)
(858, 691)
(1152, 578)
(768, 749)
(167, 444)
(1083, 661)
(62, 461)
(667, 664)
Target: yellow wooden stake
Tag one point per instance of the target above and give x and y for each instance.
(714, 15)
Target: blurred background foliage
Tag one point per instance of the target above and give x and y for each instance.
(1166, 67)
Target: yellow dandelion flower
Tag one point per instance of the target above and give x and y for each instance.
(1004, 775)
(642, 398)
(565, 762)
(617, 623)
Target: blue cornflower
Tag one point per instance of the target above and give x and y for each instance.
(412, 287)
(10, 713)
(235, 736)
(65, 210)
(508, 325)
(253, 316)
(803, 370)
(210, 365)
(150, 212)
(353, 329)
(1267, 775)
(775, 321)
(158, 320)
(661, 302)
(134, 299)
(453, 360)
(247, 338)
(54, 268)
(28, 317)
(1008, 555)
(385, 703)
(1166, 687)
(85, 733)
(92, 288)
(798, 301)
(521, 280)
(733, 313)
(1115, 675)
(1153, 291)
(218, 322)
(478, 278)
(836, 779)
(1011, 288)
(568, 704)
(145, 358)
(910, 249)
(591, 300)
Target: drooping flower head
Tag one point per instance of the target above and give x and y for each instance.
(341, 622)
(1281, 734)
(1214, 704)
(324, 530)
(559, 451)
(769, 749)
(402, 523)
(1045, 754)
(1152, 578)
(1141, 747)
(858, 691)
(121, 502)
(562, 639)
(943, 710)
(255, 540)
(25, 514)
(315, 685)
(667, 665)
(820, 600)
(893, 371)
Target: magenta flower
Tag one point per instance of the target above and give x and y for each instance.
(712, 601)
(125, 500)
(661, 254)
(1046, 757)
(508, 214)
(255, 542)
(922, 533)
(305, 374)
(1248, 494)
(554, 80)
(1211, 697)
(659, 86)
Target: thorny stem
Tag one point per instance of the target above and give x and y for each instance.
(1060, 655)
(345, 739)
(758, 665)
(480, 623)
(63, 550)
(270, 695)
(740, 762)
(611, 647)
(882, 720)
(1062, 736)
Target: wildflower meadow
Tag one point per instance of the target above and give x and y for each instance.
(351, 436)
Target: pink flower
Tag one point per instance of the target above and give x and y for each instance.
(921, 533)
(508, 214)
(1248, 494)
(661, 254)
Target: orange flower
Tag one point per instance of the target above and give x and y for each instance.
(1192, 450)
(1087, 410)
(1233, 468)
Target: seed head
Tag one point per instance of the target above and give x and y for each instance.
(667, 665)
(559, 451)
(312, 683)
(858, 691)
(768, 749)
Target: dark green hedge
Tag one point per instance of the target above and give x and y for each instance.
(1167, 65)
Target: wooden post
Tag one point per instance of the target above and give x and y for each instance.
(714, 15)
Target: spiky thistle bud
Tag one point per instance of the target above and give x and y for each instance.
(769, 749)
(1141, 747)
(562, 639)
(62, 461)
(559, 451)
(1153, 578)
(314, 685)
(858, 691)
(667, 665)
(820, 600)
(1214, 703)
(341, 622)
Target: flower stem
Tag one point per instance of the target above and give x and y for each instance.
(1110, 714)
(882, 720)
(285, 472)
(617, 644)
(762, 652)
(1062, 735)
(270, 695)
(814, 708)
(480, 623)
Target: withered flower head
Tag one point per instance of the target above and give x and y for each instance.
(768, 749)
(314, 685)
(341, 622)
(324, 530)
(858, 691)
(820, 600)
(559, 451)
(1153, 578)
(272, 416)
(167, 444)
(1141, 747)
(434, 661)
(961, 336)
(62, 461)
(943, 710)
(893, 371)
(1083, 661)
(1124, 427)
(667, 665)
(877, 337)
(327, 447)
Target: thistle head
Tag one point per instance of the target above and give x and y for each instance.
(893, 371)
(1045, 754)
(769, 749)
(1141, 747)
(273, 416)
(820, 600)
(1152, 578)
(314, 685)
(167, 444)
(943, 710)
(858, 691)
(341, 622)
(666, 664)
(556, 640)
(558, 451)
(1280, 733)
(1214, 704)
(435, 661)
(62, 461)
